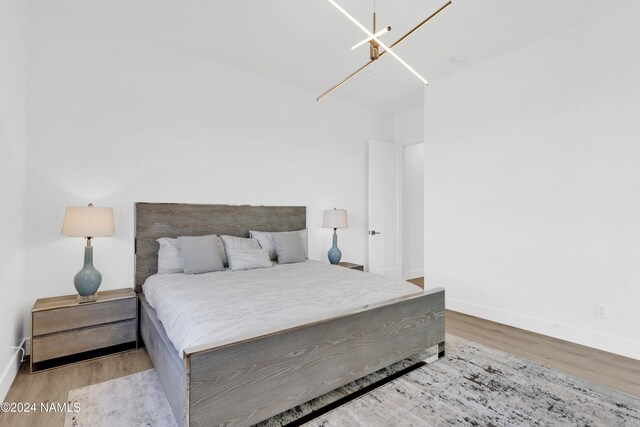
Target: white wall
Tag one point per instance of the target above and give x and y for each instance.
(532, 200)
(115, 120)
(409, 126)
(12, 185)
(413, 182)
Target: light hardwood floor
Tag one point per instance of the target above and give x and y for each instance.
(418, 281)
(603, 368)
(53, 386)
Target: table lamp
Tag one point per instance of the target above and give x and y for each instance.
(335, 218)
(88, 222)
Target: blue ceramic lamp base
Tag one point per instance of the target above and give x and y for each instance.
(334, 253)
(88, 280)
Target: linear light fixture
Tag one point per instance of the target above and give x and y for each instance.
(368, 39)
(400, 60)
(375, 42)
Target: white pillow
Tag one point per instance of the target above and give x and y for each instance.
(265, 238)
(248, 259)
(169, 257)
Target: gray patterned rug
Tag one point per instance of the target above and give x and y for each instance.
(473, 384)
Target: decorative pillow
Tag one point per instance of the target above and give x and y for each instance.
(200, 254)
(169, 258)
(223, 254)
(234, 242)
(248, 259)
(265, 238)
(288, 247)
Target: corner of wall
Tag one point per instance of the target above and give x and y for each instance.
(13, 130)
(408, 126)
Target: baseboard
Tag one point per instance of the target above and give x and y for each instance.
(10, 371)
(412, 274)
(600, 341)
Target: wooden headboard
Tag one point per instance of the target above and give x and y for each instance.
(155, 220)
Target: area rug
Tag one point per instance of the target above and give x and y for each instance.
(134, 400)
(473, 384)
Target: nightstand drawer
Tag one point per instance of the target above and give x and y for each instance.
(81, 340)
(64, 319)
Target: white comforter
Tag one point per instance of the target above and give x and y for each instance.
(207, 308)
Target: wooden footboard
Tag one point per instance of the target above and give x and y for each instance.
(243, 382)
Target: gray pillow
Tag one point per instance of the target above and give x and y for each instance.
(288, 247)
(248, 259)
(234, 242)
(200, 254)
(265, 238)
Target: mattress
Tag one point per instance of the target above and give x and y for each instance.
(202, 309)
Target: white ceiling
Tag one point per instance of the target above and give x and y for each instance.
(307, 43)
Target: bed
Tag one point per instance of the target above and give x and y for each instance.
(242, 377)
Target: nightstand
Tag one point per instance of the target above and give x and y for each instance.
(64, 330)
(351, 266)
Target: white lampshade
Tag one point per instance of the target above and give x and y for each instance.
(335, 218)
(88, 222)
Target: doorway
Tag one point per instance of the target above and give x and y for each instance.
(396, 210)
(413, 200)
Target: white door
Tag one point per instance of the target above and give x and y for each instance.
(385, 209)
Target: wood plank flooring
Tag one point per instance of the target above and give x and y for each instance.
(418, 281)
(53, 386)
(600, 367)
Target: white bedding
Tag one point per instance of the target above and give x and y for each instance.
(200, 309)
